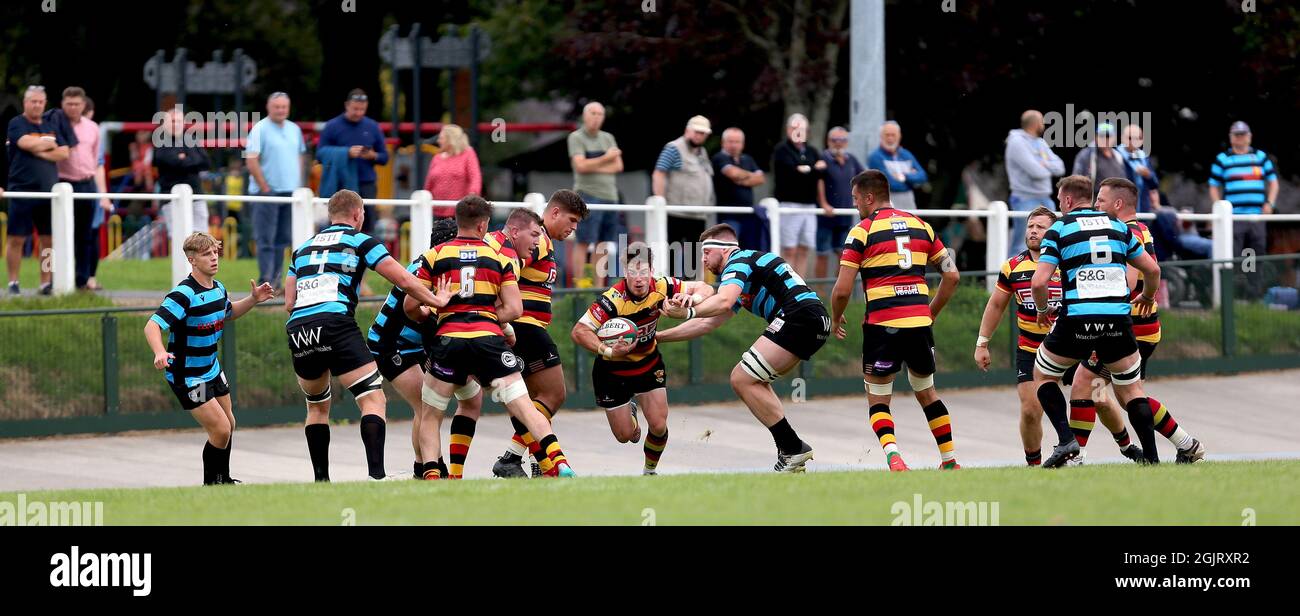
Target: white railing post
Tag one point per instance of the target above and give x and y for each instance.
(181, 226)
(301, 216)
(421, 222)
(656, 232)
(774, 221)
(537, 201)
(62, 257)
(1221, 244)
(996, 238)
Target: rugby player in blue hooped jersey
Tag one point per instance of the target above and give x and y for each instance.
(1093, 251)
(321, 297)
(797, 326)
(194, 314)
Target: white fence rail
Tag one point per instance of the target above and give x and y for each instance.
(998, 217)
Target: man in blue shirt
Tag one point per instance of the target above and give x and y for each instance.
(274, 152)
(365, 143)
(735, 174)
(834, 190)
(1246, 178)
(35, 146)
(899, 165)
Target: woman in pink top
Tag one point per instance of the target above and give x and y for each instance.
(453, 172)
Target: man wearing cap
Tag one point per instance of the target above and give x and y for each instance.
(358, 133)
(1246, 178)
(683, 175)
(1101, 160)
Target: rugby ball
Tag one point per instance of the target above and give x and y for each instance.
(617, 329)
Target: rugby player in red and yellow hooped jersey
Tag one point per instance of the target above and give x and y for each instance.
(1087, 401)
(890, 248)
(469, 341)
(628, 376)
(541, 360)
(1014, 283)
(522, 231)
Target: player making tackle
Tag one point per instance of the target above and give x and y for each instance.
(798, 327)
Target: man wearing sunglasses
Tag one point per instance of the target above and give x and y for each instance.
(358, 133)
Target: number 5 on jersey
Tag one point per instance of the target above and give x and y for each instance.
(904, 253)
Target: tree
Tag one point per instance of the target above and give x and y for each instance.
(801, 42)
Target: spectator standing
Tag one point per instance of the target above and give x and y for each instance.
(275, 154)
(84, 170)
(683, 175)
(1102, 160)
(835, 190)
(1141, 168)
(596, 160)
(179, 163)
(798, 168)
(1245, 177)
(353, 130)
(453, 171)
(1031, 165)
(735, 174)
(904, 171)
(35, 146)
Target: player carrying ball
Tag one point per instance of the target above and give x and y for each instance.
(626, 375)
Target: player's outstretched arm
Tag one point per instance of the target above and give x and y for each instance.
(392, 270)
(840, 296)
(693, 328)
(258, 295)
(947, 284)
(717, 304)
(693, 288)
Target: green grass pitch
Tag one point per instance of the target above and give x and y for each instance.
(1208, 493)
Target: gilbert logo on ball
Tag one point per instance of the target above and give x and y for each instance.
(617, 329)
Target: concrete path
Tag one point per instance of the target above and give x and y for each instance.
(1239, 417)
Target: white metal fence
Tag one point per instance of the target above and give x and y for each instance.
(997, 219)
